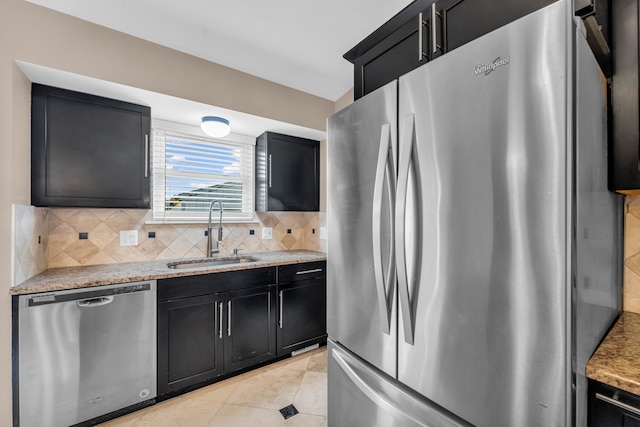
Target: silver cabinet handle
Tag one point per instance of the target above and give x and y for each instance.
(146, 156)
(281, 303)
(95, 302)
(408, 157)
(315, 270)
(220, 319)
(384, 169)
(229, 318)
(269, 170)
(434, 33)
(620, 405)
(420, 23)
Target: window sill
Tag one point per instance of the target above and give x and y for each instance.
(253, 220)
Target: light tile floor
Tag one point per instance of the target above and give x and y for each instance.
(250, 399)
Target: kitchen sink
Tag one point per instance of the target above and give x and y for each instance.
(211, 262)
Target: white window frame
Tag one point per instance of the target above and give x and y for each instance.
(160, 130)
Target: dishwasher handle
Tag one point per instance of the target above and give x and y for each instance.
(95, 302)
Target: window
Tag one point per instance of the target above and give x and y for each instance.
(191, 170)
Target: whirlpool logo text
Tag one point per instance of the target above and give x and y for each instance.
(487, 69)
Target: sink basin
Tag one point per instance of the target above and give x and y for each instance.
(211, 262)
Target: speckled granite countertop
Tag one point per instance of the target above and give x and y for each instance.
(57, 279)
(617, 361)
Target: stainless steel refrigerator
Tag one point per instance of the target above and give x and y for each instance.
(474, 251)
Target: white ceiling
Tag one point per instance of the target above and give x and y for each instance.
(165, 107)
(292, 42)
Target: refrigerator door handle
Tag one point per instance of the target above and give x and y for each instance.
(384, 170)
(379, 399)
(408, 164)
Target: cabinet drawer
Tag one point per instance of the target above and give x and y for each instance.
(205, 284)
(307, 270)
(609, 406)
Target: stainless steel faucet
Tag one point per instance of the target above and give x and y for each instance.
(210, 249)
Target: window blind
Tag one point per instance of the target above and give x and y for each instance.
(190, 172)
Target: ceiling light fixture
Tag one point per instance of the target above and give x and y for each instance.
(216, 127)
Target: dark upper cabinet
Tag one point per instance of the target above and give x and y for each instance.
(425, 30)
(287, 173)
(88, 151)
(397, 47)
(460, 21)
(624, 147)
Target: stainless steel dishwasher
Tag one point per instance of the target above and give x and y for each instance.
(86, 352)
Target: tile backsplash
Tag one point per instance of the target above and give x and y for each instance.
(30, 242)
(631, 298)
(78, 236)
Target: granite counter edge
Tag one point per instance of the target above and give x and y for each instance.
(111, 274)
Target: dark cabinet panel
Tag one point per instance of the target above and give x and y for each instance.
(624, 153)
(189, 341)
(88, 151)
(251, 337)
(464, 20)
(302, 304)
(212, 326)
(207, 284)
(206, 330)
(303, 315)
(402, 51)
(287, 173)
(611, 407)
(302, 271)
(400, 45)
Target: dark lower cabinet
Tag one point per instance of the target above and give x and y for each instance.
(250, 336)
(612, 407)
(302, 305)
(303, 315)
(213, 326)
(190, 343)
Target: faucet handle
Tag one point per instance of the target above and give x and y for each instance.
(236, 250)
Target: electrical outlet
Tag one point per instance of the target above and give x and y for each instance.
(267, 233)
(129, 238)
(323, 233)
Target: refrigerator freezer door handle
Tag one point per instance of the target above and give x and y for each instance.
(380, 400)
(407, 158)
(384, 170)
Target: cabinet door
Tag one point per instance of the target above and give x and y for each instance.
(189, 342)
(624, 145)
(287, 173)
(402, 51)
(460, 21)
(250, 327)
(302, 318)
(88, 151)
